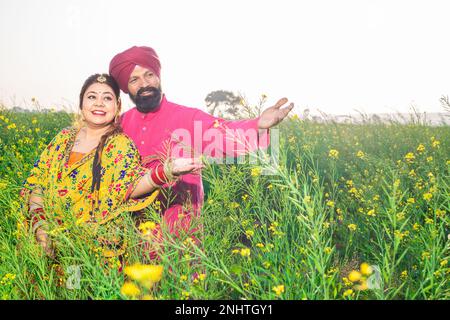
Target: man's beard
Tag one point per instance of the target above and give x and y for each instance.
(145, 104)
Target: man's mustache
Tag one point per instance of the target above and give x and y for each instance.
(146, 89)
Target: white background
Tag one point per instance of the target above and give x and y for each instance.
(336, 56)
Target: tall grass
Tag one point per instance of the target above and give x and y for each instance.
(342, 194)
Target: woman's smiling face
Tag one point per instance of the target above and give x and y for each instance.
(99, 105)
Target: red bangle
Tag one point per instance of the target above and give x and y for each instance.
(158, 176)
(37, 215)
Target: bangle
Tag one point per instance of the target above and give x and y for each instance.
(150, 181)
(158, 175)
(37, 217)
(37, 225)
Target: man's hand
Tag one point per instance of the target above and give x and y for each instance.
(182, 166)
(274, 115)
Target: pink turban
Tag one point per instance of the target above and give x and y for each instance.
(123, 64)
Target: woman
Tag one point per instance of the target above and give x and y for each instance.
(90, 175)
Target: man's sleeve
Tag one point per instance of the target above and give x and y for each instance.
(216, 137)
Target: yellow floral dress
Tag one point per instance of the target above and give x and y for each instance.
(68, 187)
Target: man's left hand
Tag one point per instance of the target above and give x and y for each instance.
(275, 114)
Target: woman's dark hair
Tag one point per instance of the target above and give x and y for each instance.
(115, 125)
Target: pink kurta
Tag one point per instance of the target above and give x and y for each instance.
(188, 132)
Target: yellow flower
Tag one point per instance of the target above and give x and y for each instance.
(440, 213)
(435, 144)
(307, 199)
(404, 274)
(409, 157)
(444, 263)
(330, 203)
(412, 173)
(270, 187)
(362, 286)
(366, 269)
(371, 213)
(427, 196)
(429, 159)
(260, 245)
(420, 148)
(327, 250)
(360, 154)
(278, 289)
(202, 276)
(333, 154)
(429, 221)
(183, 278)
(416, 226)
(130, 289)
(400, 235)
(147, 226)
(144, 273)
(352, 226)
(425, 255)
(249, 233)
(347, 293)
(353, 191)
(411, 200)
(354, 276)
(347, 282)
(245, 252)
(234, 205)
(401, 216)
(256, 172)
(266, 264)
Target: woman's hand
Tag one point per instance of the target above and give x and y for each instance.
(44, 240)
(173, 168)
(182, 166)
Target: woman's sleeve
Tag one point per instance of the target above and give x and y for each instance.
(39, 174)
(123, 171)
(38, 179)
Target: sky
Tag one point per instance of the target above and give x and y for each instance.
(338, 57)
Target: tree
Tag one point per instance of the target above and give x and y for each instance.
(223, 104)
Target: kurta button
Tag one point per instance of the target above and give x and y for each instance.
(142, 142)
(144, 128)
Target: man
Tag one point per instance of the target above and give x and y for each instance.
(160, 127)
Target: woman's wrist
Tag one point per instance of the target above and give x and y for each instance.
(38, 225)
(150, 181)
(37, 216)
